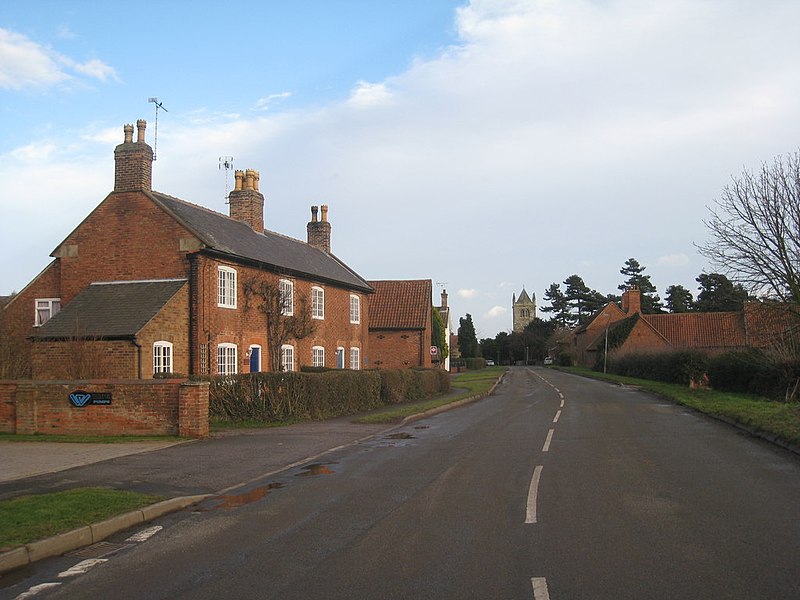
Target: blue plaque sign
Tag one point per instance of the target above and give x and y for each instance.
(79, 398)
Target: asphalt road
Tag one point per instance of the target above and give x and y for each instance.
(556, 487)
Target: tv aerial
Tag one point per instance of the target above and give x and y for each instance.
(226, 162)
(155, 142)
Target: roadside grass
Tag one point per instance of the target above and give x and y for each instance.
(29, 518)
(88, 439)
(778, 419)
(465, 385)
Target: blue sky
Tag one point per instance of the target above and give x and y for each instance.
(485, 145)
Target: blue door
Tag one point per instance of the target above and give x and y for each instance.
(255, 359)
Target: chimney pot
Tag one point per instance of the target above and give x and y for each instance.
(319, 232)
(245, 202)
(141, 124)
(314, 210)
(133, 162)
(238, 176)
(128, 130)
(324, 210)
(249, 179)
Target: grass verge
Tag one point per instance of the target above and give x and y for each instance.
(29, 518)
(467, 384)
(780, 420)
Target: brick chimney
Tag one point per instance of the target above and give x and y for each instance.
(133, 161)
(632, 301)
(246, 203)
(319, 232)
(444, 298)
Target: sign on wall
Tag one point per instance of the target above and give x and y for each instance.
(79, 398)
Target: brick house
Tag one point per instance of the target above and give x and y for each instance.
(149, 283)
(755, 326)
(400, 323)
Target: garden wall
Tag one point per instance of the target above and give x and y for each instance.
(105, 407)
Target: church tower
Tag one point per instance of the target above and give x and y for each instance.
(523, 309)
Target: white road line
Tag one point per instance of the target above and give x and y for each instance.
(546, 447)
(533, 493)
(539, 588)
(560, 395)
(82, 567)
(562, 403)
(555, 419)
(145, 534)
(33, 591)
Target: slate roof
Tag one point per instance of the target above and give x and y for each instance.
(235, 238)
(400, 304)
(524, 298)
(115, 310)
(4, 300)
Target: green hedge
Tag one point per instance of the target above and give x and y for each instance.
(475, 363)
(754, 372)
(283, 397)
(681, 366)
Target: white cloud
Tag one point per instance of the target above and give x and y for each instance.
(265, 102)
(467, 293)
(27, 64)
(495, 312)
(35, 152)
(673, 260)
(367, 94)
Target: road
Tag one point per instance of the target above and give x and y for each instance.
(556, 487)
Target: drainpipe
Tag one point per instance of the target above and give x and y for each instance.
(138, 356)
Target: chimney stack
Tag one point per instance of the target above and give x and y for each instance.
(444, 298)
(133, 161)
(632, 301)
(245, 202)
(319, 232)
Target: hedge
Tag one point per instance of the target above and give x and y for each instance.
(285, 397)
(680, 366)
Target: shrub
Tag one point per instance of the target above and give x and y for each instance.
(475, 363)
(680, 366)
(749, 372)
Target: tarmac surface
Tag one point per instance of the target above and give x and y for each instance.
(184, 472)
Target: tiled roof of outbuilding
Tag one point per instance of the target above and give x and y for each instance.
(229, 236)
(700, 330)
(112, 310)
(400, 304)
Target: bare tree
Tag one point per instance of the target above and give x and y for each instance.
(755, 230)
(266, 297)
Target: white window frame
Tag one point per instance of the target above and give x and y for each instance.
(51, 305)
(227, 359)
(226, 287)
(162, 357)
(317, 302)
(286, 291)
(287, 357)
(317, 356)
(355, 359)
(340, 352)
(355, 309)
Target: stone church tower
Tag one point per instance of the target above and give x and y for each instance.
(523, 309)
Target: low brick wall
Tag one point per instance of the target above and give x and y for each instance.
(118, 407)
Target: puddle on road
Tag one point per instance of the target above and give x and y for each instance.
(422, 427)
(316, 469)
(400, 436)
(228, 501)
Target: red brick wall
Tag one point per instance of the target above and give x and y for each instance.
(81, 359)
(165, 407)
(17, 319)
(644, 338)
(8, 407)
(171, 324)
(399, 349)
(127, 237)
(246, 324)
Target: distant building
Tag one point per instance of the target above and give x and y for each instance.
(523, 310)
(400, 323)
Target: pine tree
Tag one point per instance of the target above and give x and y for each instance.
(678, 299)
(467, 340)
(635, 278)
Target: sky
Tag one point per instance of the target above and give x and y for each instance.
(488, 145)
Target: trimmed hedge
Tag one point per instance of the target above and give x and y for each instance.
(681, 366)
(283, 397)
(754, 372)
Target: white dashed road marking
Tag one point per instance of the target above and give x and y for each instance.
(533, 493)
(82, 567)
(145, 534)
(546, 447)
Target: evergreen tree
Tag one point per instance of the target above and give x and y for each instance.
(678, 299)
(467, 340)
(719, 294)
(635, 277)
(558, 304)
(582, 301)
(439, 334)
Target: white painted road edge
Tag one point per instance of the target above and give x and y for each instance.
(539, 588)
(533, 493)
